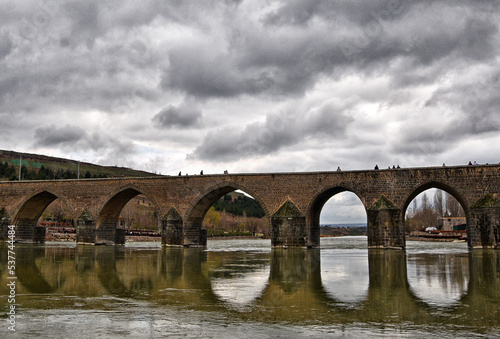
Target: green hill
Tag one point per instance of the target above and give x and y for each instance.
(42, 167)
(238, 204)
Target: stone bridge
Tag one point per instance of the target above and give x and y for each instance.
(292, 203)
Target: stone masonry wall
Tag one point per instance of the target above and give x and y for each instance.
(185, 194)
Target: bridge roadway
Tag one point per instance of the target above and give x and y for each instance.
(292, 203)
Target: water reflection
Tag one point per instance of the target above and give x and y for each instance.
(345, 275)
(240, 278)
(439, 279)
(283, 285)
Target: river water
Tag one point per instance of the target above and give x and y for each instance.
(244, 289)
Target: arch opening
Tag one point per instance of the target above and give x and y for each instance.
(127, 212)
(336, 211)
(225, 211)
(435, 212)
(30, 220)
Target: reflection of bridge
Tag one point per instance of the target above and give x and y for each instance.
(292, 202)
(183, 277)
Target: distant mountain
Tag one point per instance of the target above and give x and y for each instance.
(42, 167)
(333, 231)
(363, 224)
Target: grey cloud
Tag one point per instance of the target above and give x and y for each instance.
(184, 116)
(297, 12)
(5, 45)
(277, 132)
(363, 38)
(85, 21)
(56, 136)
(118, 57)
(75, 137)
(476, 104)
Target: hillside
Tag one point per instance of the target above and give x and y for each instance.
(239, 204)
(42, 167)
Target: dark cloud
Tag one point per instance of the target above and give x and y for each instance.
(277, 132)
(184, 116)
(358, 37)
(74, 137)
(409, 77)
(5, 46)
(54, 136)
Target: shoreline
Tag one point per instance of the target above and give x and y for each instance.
(142, 238)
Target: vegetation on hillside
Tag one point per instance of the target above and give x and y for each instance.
(10, 172)
(235, 214)
(41, 167)
(239, 204)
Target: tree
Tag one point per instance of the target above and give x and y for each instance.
(212, 218)
(453, 207)
(438, 203)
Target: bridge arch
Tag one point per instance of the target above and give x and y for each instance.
(29, 211)
(439, 185)
(453, 192)
(193, 234)
(109, 213)
(315, 207)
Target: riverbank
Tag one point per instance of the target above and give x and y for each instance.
(58, 236)
(439, 236)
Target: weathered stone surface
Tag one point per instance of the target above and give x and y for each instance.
(483, 228)
(4, 224)
(385, 227)
(191, 196)
(172, 229)
(85, 228)
(288, 227)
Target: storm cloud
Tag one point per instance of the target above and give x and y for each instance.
(252, 86)
(184, 116)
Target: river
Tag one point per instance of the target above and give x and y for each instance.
(245, 289)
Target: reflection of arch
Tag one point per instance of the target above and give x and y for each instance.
(436, 184)
(196, 211)
(439, 279)
(107, 273)
(316, 205)
(109, 213)
(28, 273)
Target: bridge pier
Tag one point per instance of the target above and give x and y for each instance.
(109, 234)
(288, 227)
(385, 227)
(27, 231)
(4, 224)
(194, 235)
(85, 228)
(171, 229)
(483, 229)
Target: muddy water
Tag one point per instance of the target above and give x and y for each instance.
(243, 289)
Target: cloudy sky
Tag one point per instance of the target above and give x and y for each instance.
(251, 86)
